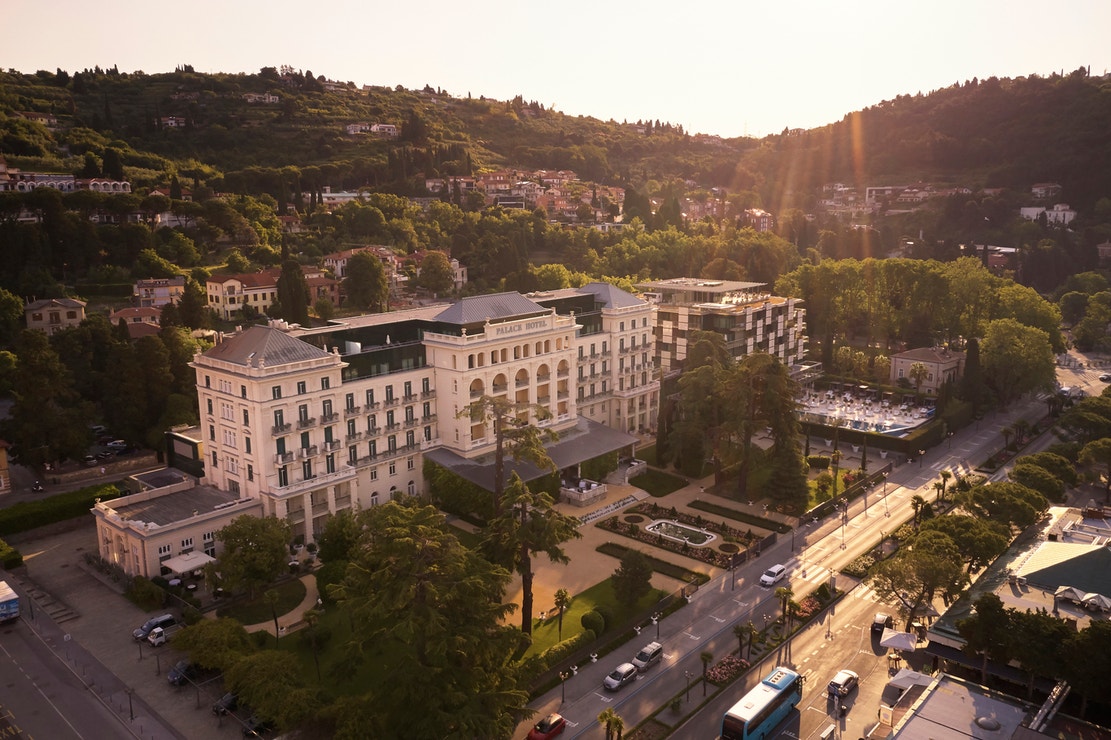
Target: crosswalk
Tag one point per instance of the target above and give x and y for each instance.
(814, 576)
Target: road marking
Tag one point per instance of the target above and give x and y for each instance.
(693, 637)
(716, 619)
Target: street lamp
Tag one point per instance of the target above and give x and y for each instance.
(886, 511)
(656, 621)
(688, 675)
(563, 676)
(733, 570)
(949, 436)
(921, 454)
(130, 706)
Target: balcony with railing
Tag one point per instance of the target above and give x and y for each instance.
(306, 423)
(283, 458)
(500, 387)
(280, 429)
(391, 402)
(315, 481)
(410, 423)
(428, 419)
(428, 394)
(563, 373)
(329, 418)
(543, 378)
(332, 446)
(307, 451)
(353, 437)
(352, 410)
(523, 383)
(393, 427)
(374, 405)
(373, 431)
(409, 398)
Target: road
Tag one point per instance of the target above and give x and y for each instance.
(814, 555)
(41, 698)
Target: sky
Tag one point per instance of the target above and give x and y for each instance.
(724, 67)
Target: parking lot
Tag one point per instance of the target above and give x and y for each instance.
(103, 625)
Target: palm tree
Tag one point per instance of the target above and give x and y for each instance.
(939, 487)
(562, 601)
(836, 457)
(945, 476)
(1022, 429)
(916, 503)
(784, 594)
(527, 525)
(612, 722)
(1006, 432)
(706, 656)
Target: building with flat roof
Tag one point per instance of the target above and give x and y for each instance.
(745, 314)
(170, 516)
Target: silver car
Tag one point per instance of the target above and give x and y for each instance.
(621, 675)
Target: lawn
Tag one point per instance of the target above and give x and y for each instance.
(290, 594)
(545, 633)
(658, 483)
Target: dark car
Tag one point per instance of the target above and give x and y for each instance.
(549, 727)
(226, 703)
(881, 620)
(182, 672)
(255, 727)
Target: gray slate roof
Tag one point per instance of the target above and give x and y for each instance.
(611, 295)
(479, 308)
(262, 344)
(587, 440)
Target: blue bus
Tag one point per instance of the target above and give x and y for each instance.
(762, 709)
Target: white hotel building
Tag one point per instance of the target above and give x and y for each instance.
(314, 421)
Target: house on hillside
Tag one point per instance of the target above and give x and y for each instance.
(51, 315)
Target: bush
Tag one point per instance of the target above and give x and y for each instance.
(327, 575)
(191, 614)
(9, 556)
(859, 568)
(58, 508)
(818, 462)
(606, 612)
(561, 650)
(594, 622)
(145, 594)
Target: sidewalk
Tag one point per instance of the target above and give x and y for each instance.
(295, 618)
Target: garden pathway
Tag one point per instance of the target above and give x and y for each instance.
(294, 619)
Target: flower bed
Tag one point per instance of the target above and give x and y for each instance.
(653, 512)
(726, 670)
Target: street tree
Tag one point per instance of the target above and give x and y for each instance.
(366, 285)
(217, 644)
(270, 682)
(1038, 643)
(528, 525)
(1017, 359)
(1039, 479)
(1006, 502)
(929, 566)
(988, 633)
(706, 657)
(256, 550)
(979, 541)
(633, 578)
(613, 723)
(784, 594)
(1086, 663)
(339, 537)
(1096, 455)
(427, 611)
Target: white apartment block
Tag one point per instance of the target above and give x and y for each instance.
(313, 421)
(750, 319)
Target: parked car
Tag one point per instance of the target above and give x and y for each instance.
(623, 674)
(843, 683)
(880, 621)
(117, 444)
(182, 672)
(226, 703)
(773, 575)
(648, 655)
(551, 726)
(165, 620)
(1105, 377)
(104, 455)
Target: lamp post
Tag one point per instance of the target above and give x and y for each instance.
(733, 570)
(949, 436)
(921, 454)
(688, 675)
(563, 676)
(130, 706)
(656, 621)
(844, 520)
(886, 511)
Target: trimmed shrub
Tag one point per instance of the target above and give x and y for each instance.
(9, 556)
(594, 622)
(561, 650)
(58, 508)
(606, 612)
(818, 462)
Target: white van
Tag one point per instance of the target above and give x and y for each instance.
(649, 654)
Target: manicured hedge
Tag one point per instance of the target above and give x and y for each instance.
(9, 556)
(58, 508)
